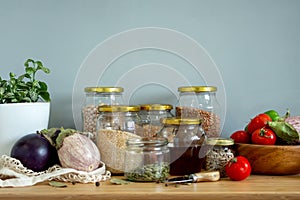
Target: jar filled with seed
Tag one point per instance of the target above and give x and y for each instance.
(95, 96)
(151, 115)
(147, 159)
(220, 151)
(186, 139)
(116, 124)
(201, 102)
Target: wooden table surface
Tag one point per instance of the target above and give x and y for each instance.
(254, 187)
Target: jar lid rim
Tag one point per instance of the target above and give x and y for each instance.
(147, 142)
(181, 121)
(118, 108)
(156, 107)
(104, 89)
(220, 141)
(197, 89)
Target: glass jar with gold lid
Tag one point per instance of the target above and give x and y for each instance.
(151, 116)
(201, 102)
(147, 159)
(95, 96)
(116, 124)
(185, 137)
(220, 151)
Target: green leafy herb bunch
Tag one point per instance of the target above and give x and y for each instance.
(25, 88)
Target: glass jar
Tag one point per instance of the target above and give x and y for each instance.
(201, 102)
(151, 115)
(147, 159)
(220, 151)
(185, 137)
(116, 124)
(95, 96)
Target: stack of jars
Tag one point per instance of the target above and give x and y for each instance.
(146, 142)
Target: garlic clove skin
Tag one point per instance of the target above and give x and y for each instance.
(79, 152)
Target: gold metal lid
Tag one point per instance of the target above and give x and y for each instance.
(107, 89)
(197, 89)
(118, 108)
(180, 121)
(220, 141)
(156, 107)
(147, 142)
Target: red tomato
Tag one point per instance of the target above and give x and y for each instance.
(240, 136)
(259, 121)
(264, 136)
(238, 168)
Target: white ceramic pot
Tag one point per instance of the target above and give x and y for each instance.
(19, 119)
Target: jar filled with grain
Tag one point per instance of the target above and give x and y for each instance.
(95, 96)
(147, 159)
(116, 124)
(201, 102)
(220, 151)
(151, 115)
(186, 139)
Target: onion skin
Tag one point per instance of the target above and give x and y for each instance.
(79, 152)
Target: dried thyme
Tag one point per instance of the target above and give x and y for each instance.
(151, 172)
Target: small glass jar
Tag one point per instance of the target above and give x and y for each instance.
(147, 159)
(185, 138)
(116, 124)
(220, 151)
(151, 115)
(95, 96)
(201, 102)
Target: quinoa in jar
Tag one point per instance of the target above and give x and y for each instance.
(116, 124)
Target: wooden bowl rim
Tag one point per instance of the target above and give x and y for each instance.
(267, 146)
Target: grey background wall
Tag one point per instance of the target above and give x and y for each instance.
(254, 43)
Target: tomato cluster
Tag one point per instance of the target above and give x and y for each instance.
(257, 130)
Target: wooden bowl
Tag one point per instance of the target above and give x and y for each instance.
(271, 159)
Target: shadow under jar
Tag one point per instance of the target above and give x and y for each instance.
(186, 139)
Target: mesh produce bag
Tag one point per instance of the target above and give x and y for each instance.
(14, 174)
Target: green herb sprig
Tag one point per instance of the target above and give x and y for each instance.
(25, 88)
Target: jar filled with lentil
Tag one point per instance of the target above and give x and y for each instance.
(185, 141)
(147, 159)
(95, 96)
(116, 124)
(220, 151)
(151, 115)
(201, 102)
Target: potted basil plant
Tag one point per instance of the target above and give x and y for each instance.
(24, 105)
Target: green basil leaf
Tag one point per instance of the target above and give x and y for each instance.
(118, 181)
(45, 96)
(57, 184)
(285, 131)
(29, 70)
(43, 86)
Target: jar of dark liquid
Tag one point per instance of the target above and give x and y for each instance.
(186, 143)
